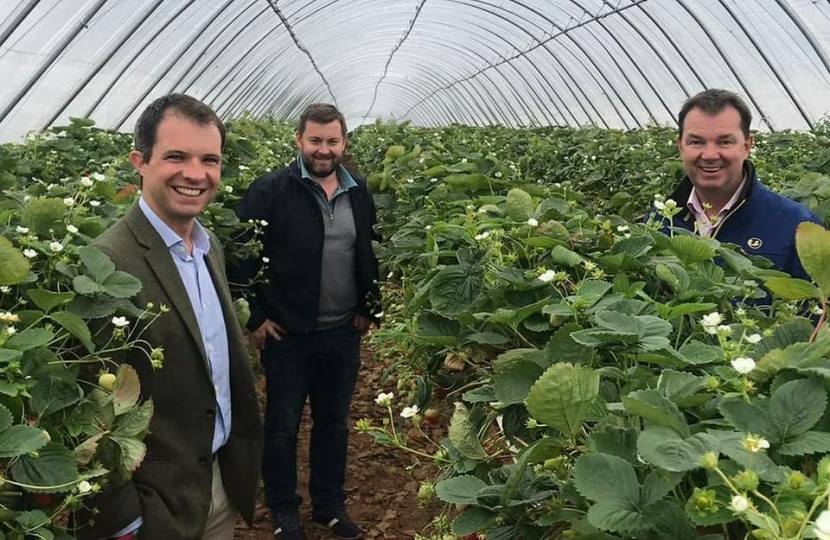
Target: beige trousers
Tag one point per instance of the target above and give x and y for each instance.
(222, 516)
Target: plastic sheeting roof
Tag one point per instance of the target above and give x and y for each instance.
(612, 63)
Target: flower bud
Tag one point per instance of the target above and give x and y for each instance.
(796, 480)
(746, 480)
(709, 461)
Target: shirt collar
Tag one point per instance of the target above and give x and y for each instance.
(343, 177)
(198, 236)
(696, 205)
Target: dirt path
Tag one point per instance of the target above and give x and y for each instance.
(381, 492)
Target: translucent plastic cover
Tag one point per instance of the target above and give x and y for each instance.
(612, 63)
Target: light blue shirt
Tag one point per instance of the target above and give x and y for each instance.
(196, 278)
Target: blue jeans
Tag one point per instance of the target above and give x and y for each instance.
(322, 366)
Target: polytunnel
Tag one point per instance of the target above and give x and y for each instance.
(611, 63)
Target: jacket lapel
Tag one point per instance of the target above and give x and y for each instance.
(161, 263)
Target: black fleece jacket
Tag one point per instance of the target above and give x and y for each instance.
(293, 245)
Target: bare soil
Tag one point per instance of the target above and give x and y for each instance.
(381, 482)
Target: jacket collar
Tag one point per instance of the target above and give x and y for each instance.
(158, 258)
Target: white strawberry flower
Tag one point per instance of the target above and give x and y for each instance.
(73, 229)
(821, 527)
(9, 317)
(384, 399)
(95, 204)
(753, 339)
(84, 487)
(547, 275)
(711, 322)
(56, 246)
(482, 236)
(22, 230)
(29, 253)
(743, 365)
(98, 177)
(755, 444)
(533, 222)
(120, 322)
(86, 181)
(69, 201)
(409, 412)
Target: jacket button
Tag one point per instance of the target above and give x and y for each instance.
(204, 461)
(210, 413)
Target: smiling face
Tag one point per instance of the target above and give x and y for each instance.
(713, 149)
(322, 147)
(183, 173)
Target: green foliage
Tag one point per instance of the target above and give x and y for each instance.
(520, 278)
(517, 257)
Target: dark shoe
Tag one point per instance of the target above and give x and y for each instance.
(287, 526)
(341, 525)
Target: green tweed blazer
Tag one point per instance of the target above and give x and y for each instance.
(171, 489)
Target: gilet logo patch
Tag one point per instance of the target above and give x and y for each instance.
(754, 243)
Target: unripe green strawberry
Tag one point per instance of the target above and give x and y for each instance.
(107, 381)
(426, 492)
(709, 460)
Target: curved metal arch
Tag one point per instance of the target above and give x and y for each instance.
(259, 67)
(226, 77)
(538, 105)
(132, 58)
(487, 107)
(398, 45)
(543, 44)
(630, 86)
(487, 30)
(264, 63)
(53, 55)
(726, 60)
(528, 113)
(528, 84)
(569, 35)
(678, 50)
(17, 21)
(781, 80)
(590, 59)
(217, 51)
(666, 64)
(470, 103)
(446, 106)
(542, 82)
(302, 48)
(125, 36)
(235, 101)
(453, 109)
(159, 76)
(805, 30)
(636, 65)
(563, 68)
(474, 53)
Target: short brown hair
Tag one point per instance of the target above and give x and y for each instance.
(147, 126)
(321, 113)
(713, 102)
